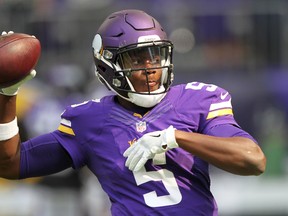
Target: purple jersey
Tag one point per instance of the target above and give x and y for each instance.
(97, 132)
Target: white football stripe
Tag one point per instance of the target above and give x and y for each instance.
(225, 104)
(66, 122)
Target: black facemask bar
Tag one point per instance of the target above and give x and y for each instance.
(144, 56)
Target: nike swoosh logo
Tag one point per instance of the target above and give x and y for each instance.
(223, 96)
(158, 135)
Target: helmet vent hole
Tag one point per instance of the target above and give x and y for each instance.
(118, 35)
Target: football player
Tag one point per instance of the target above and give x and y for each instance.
(150, 144)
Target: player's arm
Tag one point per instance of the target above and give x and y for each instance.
(238, 155)
(32, 154)
(224, 145)
(9, 138)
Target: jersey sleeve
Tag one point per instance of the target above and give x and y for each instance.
(65, 146)
(228, 130)
(42, 155)
(70, 133)
(217, 109)
(206, 105)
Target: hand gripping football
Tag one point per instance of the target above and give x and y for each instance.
(19, 54)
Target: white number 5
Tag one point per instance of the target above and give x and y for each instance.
(199, 85)
(169, 182)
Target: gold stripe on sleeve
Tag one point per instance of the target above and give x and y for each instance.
(66, 129)
(221, 112)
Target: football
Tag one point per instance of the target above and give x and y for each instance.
(19, 54)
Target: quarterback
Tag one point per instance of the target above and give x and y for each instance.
(150, 144)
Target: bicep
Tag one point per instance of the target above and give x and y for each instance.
(43, 155)
(228, 130)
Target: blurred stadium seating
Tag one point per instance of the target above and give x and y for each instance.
(241, 45)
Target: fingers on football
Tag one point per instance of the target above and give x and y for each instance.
(30, 76)
(4, 32)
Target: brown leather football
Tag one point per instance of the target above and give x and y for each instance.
(19, 54)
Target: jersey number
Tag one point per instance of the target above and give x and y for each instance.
(169, 182)
(199, 86)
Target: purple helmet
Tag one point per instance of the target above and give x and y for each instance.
(117, 47)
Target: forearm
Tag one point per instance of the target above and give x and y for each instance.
(7, 108)
(237, 155)
(9, 149)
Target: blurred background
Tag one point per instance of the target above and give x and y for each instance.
(241, 45)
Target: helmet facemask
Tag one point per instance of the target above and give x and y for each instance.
(145, 58)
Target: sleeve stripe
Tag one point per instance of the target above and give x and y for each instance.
(221, 112)
(66, 129)
(65, 122)
(221, 105)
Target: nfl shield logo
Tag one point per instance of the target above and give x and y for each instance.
(141, 126)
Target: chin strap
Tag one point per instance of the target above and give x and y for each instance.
(147, 100)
